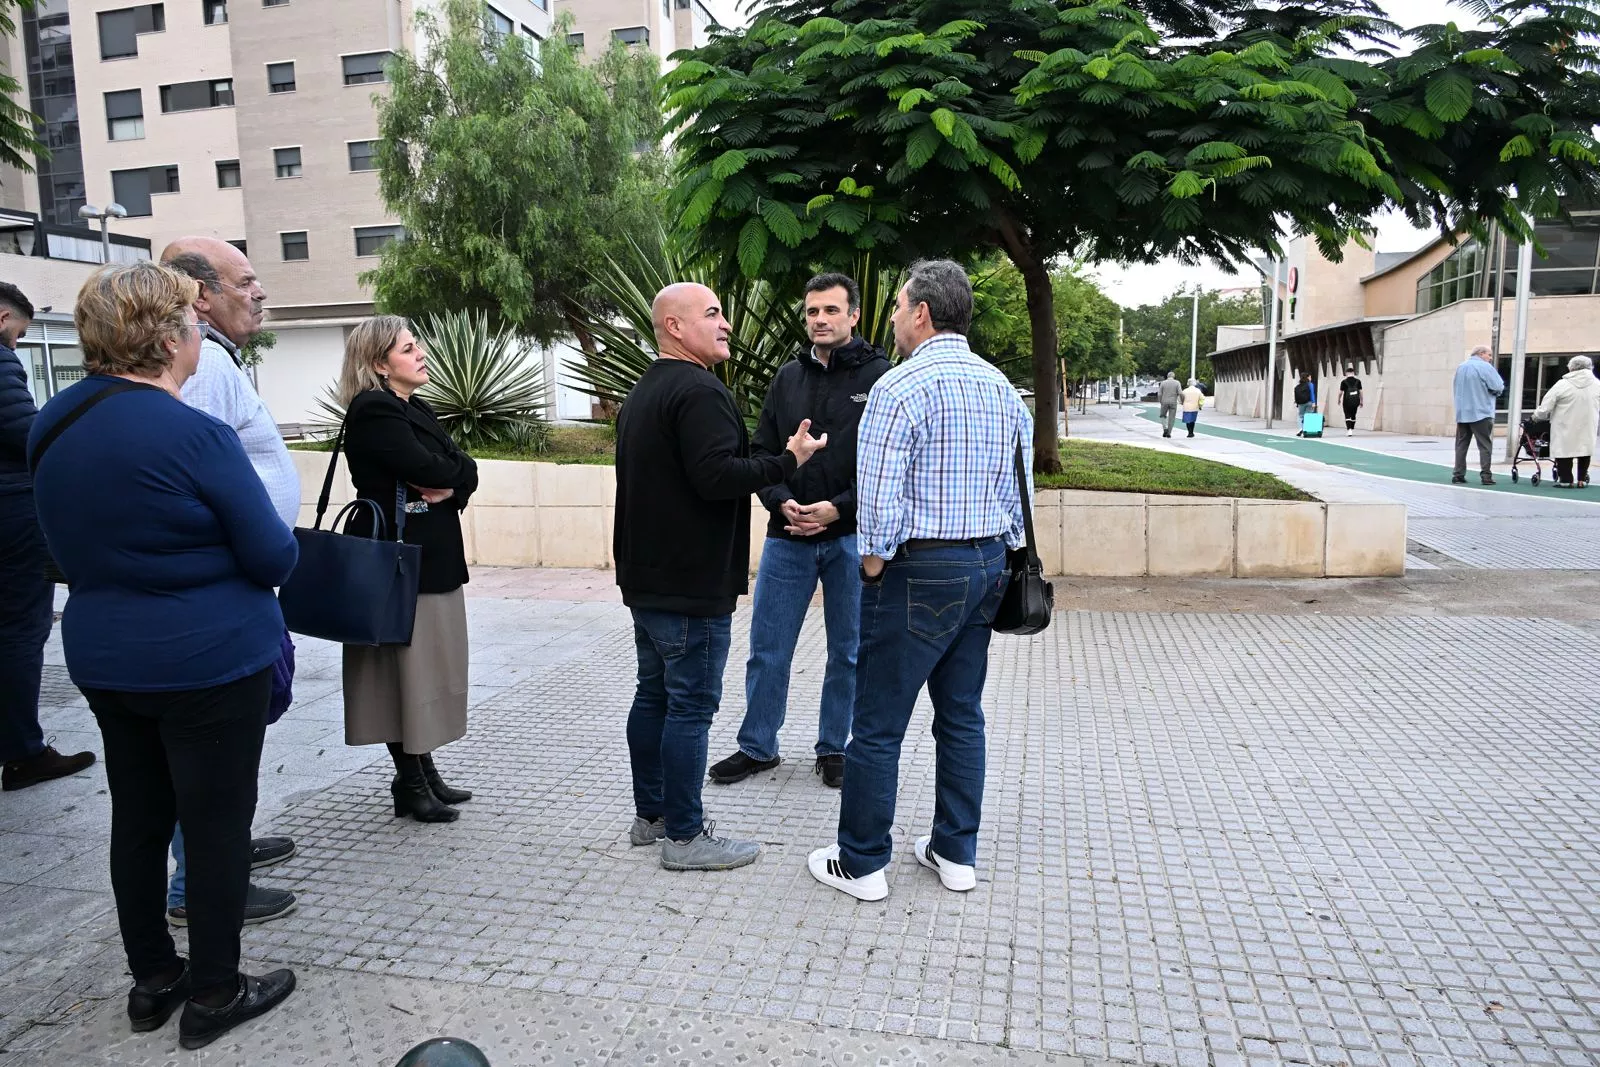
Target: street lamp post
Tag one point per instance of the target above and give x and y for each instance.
(112, 211)
(1194, 335)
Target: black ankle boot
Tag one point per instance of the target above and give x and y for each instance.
(412, 795)
(441, 789)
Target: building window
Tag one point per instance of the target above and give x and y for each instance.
(125, 115)
(633, 35)
(133, 188)
(365, 68)
(295, 245)
(274, 3)
(242, 245)
(575, 40)
(363, 155)
(280, 77)
(227, 174)
(498, 26)
(371, 239)
(120, 29)
(531, 34)
(542, 5)
(287, 160)
(197, 96)
(216, 12)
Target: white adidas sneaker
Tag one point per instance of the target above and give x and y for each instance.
(957, 877)
(826, 868)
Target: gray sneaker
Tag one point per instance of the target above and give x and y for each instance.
(707, 852)
(646, 833)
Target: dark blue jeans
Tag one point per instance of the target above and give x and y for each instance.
(26, 604)
(681, 658)
(788, 577)
(925, 621)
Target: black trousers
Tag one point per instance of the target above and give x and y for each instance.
(1564, 468)
(193, 757)
(1352, 404)
(26, 602)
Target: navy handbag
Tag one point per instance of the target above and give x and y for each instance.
(349, 589)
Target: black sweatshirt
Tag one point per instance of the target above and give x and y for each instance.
(684, 478)
(833, 398)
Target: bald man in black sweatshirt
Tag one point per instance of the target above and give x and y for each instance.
(682, 549)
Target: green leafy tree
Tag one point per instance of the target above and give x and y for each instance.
(514, 173)
(19, 145)
(1158, 335)
(1114, 130)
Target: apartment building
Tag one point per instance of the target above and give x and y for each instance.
(660, 26)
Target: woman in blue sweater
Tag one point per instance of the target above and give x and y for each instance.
(172, 549)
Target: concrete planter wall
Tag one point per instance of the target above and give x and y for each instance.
(554, 515)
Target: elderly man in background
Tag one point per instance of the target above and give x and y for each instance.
(1477, 386)
(1168, 393)
(682, 549)
(231, 305)
(27, 597)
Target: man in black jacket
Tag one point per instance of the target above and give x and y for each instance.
(682, 549)
(811, 536)
(26, 596)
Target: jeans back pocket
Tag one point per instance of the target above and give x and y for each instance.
(935, 606)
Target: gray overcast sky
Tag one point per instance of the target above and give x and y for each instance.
(1148, 283)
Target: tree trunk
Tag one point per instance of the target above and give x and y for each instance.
(1042, 322)
(602, 407)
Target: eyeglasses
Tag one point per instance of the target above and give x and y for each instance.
(198, 327)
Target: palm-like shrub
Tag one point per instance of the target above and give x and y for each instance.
(488, 393)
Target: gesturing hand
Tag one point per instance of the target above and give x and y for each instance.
(802, 444)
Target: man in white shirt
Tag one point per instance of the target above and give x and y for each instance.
(232, 306)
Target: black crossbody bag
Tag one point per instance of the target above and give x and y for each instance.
(1030, 599)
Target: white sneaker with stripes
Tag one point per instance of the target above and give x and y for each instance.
(826, 868)
(957, 877)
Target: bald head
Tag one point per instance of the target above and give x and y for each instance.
(231, 298)
(689, 324)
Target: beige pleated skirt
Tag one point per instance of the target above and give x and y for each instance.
(414, 694)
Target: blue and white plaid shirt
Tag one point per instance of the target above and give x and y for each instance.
(934, 451)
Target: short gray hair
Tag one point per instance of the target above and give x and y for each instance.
(1478, 350)
(1580, 363)
(197, 267)
(944, 286)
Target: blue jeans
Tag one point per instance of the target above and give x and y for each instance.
(788, 576)
(925, 621)
(681, 658)
(26, 613)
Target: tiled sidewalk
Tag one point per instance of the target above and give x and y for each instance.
(1210, 840)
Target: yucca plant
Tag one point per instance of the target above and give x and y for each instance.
(482, 384)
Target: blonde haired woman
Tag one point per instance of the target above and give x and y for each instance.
(413, 698)
(154, 512)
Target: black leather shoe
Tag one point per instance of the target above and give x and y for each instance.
(260, 905)
(150, 1006)
(270, 851)
(831, 767)
(1458, 479)
(43, 766)
(738, 767)
(1488, 479)
(446, 793)
(201, 1025)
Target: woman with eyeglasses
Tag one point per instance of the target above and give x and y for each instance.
(172, 550)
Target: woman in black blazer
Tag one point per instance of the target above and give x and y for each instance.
(412, 698)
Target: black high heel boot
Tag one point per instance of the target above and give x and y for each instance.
(411, 793)
(445, 792)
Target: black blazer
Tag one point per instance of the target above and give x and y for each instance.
(387, 441)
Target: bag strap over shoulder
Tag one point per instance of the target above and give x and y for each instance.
(1027, 504)
(327, 491)
(74, 415)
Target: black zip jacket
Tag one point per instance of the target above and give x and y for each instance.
(833, 398)
(16, 419)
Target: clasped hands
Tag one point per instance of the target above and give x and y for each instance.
(807, 519)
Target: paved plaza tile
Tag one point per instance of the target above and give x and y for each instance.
(1210, 839)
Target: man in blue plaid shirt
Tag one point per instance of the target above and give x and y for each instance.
(937, 507)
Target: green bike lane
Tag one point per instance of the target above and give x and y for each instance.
(1367, 461)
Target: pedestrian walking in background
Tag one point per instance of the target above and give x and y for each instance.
(1350, 397)
(1192, 399)
(173, 549)
(682, 546)
(1168, 393)
(937, 505)
(1573, 407)
(231, 305)
(27, 597)
(411, 698)
(811, 536)
(1305, 400)
(1477, 386)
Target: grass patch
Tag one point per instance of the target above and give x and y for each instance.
(1129, 469)
(1085, 465)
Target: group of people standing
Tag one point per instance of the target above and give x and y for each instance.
(160, 487)
(896, 489)
(1571, 406)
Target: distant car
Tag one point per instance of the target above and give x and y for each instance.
(1149, 397)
